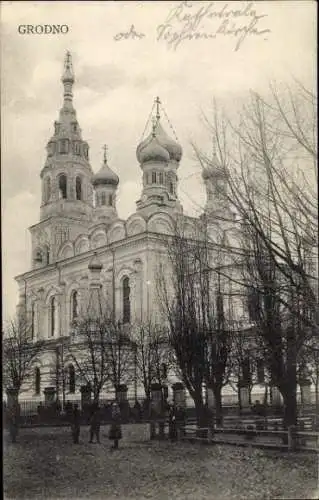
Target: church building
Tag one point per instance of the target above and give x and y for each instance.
(79, 226)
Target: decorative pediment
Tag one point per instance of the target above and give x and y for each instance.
(98, 238)
(66, 250)
(135, 225)
(116, 232)
(81, 244)
(160, 223)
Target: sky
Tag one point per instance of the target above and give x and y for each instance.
(124, 55)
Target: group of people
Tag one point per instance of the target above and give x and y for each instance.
(115, 432)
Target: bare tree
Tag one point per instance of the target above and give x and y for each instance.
(153, 355)
(20, 352)
(120, 353)
(89, 350)
(270, 162)
(280, 329)
(193, 303)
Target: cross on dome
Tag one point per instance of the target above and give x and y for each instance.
(158, 103)
(68, 75)
(154, 122)
(105, 151)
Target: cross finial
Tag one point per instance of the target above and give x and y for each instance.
(154, 121)
(105, 149)
(68, 59)
(68, 75)
(158, 103)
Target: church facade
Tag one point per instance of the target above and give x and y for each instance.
(79, 222)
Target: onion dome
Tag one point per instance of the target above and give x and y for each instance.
(105, 176)
(152, 151)
(95, 264)
(174, 149)
(163, 141)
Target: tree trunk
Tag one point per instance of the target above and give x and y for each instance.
(200, 410)
(317, 402)
(239, 399)
(96, 397)
(290, 405)
(265, 399)
(218, 405)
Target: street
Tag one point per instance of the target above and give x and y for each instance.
(45, 464)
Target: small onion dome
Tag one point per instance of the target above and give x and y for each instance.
(207, 173)
(105, 176)
(153, 151)
(213, 171)
(95, 264)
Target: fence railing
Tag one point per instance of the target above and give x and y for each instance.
(291, 439)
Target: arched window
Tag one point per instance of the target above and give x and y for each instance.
(78, 188)
(86, 152)
(161, 179)
(153, 177)
(37, 381)
(103, 199)
(64, 146)
(74, 305)
(47, 255)
(32, 321)
(126, 300)
(50, 148)
(47, 189)
(63, 186)
(71, 377)
(52, 316)
(110, 200)
(38, 255)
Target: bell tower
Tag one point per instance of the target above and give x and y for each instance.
(217, 211)
(67, 192)
(66, 186)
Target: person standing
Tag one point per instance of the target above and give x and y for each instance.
(115, 433)
(95, 424)
(75, 424)
(172, 424)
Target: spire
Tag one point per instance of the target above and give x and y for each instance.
(68, 79)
